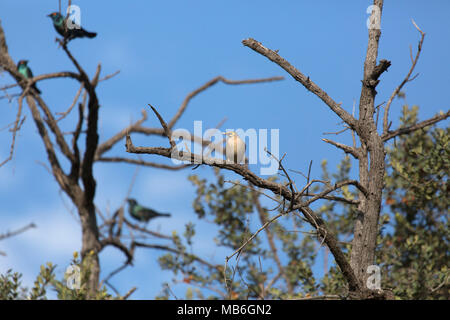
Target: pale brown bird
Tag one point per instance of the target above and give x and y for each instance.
(234, 147)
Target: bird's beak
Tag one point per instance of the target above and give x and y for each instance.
(49, 15)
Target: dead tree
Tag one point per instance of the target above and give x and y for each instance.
(79, 183)
(370, 155)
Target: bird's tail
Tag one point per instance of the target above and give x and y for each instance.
(89, 34)
(35, 88)
(164, 214)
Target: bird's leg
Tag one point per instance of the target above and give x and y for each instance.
(61, 42)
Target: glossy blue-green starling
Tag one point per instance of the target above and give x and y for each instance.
(141, 213)
(22, 67)
(60, 24)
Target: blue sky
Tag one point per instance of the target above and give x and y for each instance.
(164, 50)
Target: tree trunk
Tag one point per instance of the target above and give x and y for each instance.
(371, 163)
(90, 247)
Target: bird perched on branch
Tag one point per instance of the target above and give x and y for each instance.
(234, 147)
(22, 67)
(141, 213)
(69, 30)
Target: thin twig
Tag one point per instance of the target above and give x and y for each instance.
(14, 130)
(10, 234)
(253, 236)
(109, 76)
(75, 99)
(263, 219)
(405, 130)
(338, 132)
(256, 190)
(167, 130)
(143, 163)
(209, 84)
(128, 294)
(324, 297)
(405, 80)
(347, 149)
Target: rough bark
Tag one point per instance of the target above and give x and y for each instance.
(371, 163)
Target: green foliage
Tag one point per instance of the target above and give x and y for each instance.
(339, 217)
(11, 287)
(44, 278)
(253, 273)
(412, 247)
(65, 293)
(415, 252)
(414, 239)
(413, 233)
(228, 207)
(342, 223)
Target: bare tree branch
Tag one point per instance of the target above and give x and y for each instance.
(338, 185)
(332, 243)
(109, 76)
(355, 152)
(138, 128)
(143, 163)
(304, 80)
(407, 79)
(62, 74)
(75, 99)
(209, 84)
(335, 198)
(167, 130)
(10, 234)
(75, 168)
(128, 294)
(324, 297)
(108, 144)
(53, 160)
(176, 251)
(146, 231)
(405, 130)
(246, 242)
(14, 130)
(113, 273)
(263, 219)
(115, 242)
(282, 190)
